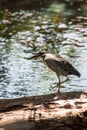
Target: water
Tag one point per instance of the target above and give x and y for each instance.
(25, 33)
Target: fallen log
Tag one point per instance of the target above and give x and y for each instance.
(46, 112)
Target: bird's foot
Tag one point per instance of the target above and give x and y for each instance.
(53, 88)
(58, 86)
(59, 93)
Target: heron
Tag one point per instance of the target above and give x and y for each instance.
(57, 64)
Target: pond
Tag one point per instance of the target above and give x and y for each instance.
(23, 33)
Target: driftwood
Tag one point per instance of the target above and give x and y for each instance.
(46, 112)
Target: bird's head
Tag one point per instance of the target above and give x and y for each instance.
(38, 55)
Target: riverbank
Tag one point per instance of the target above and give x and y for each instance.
(65, 111)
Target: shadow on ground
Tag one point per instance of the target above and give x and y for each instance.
(53, 111)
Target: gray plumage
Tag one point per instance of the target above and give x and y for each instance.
(59, 65)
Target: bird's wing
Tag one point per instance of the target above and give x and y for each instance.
(67, 67)
(58, 63)
(72, 70)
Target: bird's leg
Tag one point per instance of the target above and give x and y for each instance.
(65, 80)
(58, 85)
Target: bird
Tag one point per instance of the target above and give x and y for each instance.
(57, 64)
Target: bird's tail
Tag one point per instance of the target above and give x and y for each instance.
(76, 72)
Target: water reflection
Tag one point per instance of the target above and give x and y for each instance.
(27, 32)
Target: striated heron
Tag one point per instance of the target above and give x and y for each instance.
(57, 64)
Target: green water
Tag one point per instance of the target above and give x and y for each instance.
(55, 29)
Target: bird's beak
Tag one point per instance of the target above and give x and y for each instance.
(34, 57)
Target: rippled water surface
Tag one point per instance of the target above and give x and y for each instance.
(25, 33)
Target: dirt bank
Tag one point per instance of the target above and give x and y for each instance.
(46, 112)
